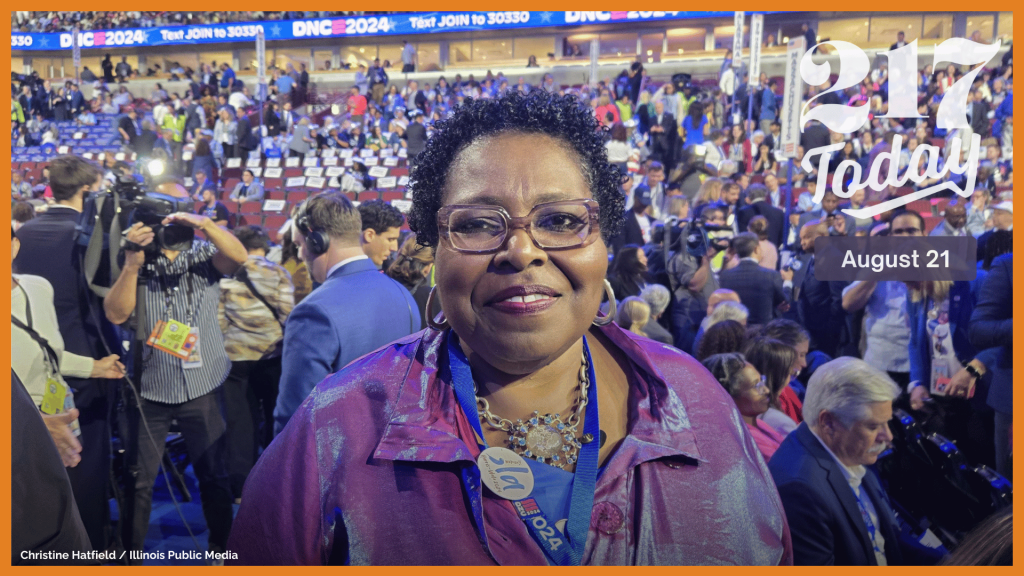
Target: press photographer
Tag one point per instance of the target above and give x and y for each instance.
(171, 287)
(689, 271)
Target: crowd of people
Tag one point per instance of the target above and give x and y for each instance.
(28, 21)
(670, 262)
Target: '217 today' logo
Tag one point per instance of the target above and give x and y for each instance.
(903, 84)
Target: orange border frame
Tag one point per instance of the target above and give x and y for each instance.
(794, 5)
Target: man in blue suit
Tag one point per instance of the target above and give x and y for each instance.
(356, 309)
(991, 330)
(76, 100)
(838, 513)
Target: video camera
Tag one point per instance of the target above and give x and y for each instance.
(703, 236)
(150, 208)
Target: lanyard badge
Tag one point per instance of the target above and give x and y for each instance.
(179, 339)
(508, 475)
(174, 338)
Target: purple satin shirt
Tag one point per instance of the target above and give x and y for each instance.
(367, 471)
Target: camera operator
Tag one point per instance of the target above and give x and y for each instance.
(690, 276)
(179, 288)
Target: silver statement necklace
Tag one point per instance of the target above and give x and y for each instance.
(545, 438)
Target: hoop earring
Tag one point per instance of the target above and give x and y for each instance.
(613, 305)
(431, 321)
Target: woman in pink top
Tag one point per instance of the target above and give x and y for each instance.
(749, 391)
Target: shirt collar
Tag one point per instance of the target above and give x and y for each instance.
(346, 261)
(52, 206)
(854, 475)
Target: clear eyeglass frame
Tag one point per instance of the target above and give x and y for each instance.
(591, 228)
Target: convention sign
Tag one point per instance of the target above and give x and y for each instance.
(399, 24)
(737, 39)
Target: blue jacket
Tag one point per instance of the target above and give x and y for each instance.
(1004, 111)
(77, 102)
(227, 79)
(354, 312)
(991, 330)
(769, 104)
(824, 517)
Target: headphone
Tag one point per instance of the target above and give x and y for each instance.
(317, 242)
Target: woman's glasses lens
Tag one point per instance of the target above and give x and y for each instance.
(560, 226)
(555, 226)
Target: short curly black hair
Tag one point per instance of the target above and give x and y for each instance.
(562, 117)
(380, 216)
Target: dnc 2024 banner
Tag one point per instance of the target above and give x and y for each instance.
(405, 24)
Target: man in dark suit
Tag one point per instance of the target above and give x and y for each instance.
(416, 136)
(27, 100)
(246, 140)
(819, 303)
(355, 310)
(838, 512)
(809, 35)
(195, 117)
(202, 182)
(48, 249)
(663, 136)
(760, 289)
(838, 223)
(146, 140)
(76, 100)
(978, 113)
(774, 137)
(303, 84)
(272, 119)
(815, 135)
(991, 330)
(195, 89)
(1002, 219)
(757, 195)
(128, 127)
(900, 41)
(636, 222)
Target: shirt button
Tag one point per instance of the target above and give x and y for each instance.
(672, 463)
(607, 518)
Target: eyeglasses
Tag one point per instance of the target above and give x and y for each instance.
(906, 231)
(474, 229)
(762, 382)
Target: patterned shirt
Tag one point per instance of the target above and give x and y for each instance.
(250, 330)
(190, 285)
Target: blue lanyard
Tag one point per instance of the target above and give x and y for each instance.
(859, 492)
(581, 502)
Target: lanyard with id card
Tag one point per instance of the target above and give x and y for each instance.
(179, 339)
(57, 396)
(508, 475)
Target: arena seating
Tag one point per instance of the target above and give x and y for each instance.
(91, 141)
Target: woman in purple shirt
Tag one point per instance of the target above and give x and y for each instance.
(522, 427)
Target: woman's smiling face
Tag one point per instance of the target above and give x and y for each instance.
(484, 295)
